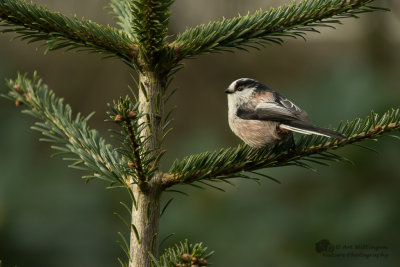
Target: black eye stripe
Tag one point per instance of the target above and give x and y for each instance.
(248, 84)
(243, 84)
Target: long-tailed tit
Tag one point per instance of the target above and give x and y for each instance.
(262, 117)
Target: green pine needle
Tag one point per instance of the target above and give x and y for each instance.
(183, 254)
(91, 153)
(233, 162)
(126, 113)
(150, 21)
(142, 44)
(150, 28)
(122, 8)
(35, 23)
(261, 27)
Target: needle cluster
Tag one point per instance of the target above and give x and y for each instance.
(141, 41)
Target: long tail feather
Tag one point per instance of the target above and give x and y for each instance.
(311, 129)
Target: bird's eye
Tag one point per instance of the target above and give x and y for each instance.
(240, 88)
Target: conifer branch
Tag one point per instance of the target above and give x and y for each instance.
(233, 162)
(90, 151)
(150, 27)
(183, 254)
(136, 153)
(122, 8)
(36, 23)
(126, 114)
(142, 43)
(261, 27)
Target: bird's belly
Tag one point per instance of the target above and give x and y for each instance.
(255, 133)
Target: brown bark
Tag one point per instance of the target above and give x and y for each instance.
(146, 213)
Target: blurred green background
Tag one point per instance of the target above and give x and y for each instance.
(48, 217)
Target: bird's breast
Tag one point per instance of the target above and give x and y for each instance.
(255, 133)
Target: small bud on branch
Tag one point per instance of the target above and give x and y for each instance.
(118, 118)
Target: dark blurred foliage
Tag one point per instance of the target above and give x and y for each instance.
(48, 217)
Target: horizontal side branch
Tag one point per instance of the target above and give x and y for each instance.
(252, 30)
(232, 162)
(36, 23)
(85, 148)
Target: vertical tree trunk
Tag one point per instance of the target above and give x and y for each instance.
(146, 214)
(145, 218)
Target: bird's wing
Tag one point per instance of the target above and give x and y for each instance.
(300, 114)
(273, 111)
(272, 106)
(282, 110)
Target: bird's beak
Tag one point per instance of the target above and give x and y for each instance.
(228, 91)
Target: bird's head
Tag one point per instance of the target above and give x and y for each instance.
(242, 90)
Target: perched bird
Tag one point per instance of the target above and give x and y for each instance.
(262, 117)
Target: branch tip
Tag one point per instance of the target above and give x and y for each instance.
(233, 162)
